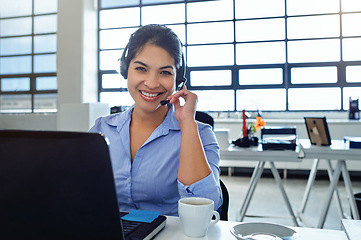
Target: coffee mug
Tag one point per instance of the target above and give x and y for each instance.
(196, 215)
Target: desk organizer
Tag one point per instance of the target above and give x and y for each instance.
(278, 138)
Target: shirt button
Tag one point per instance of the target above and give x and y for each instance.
(128, 180)
(129, 200)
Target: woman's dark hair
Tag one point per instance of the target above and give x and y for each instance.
(160, 36)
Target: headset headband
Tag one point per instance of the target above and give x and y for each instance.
(124, 65)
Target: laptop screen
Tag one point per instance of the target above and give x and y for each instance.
(56, 185)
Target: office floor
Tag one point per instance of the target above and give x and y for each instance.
(267, 200)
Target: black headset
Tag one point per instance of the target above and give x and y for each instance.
(181, 72)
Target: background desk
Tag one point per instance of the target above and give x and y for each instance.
(221, 231)
(270, 156)
(340, 152)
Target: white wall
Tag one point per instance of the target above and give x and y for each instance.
(338, 123)
(28, 121)
(338, 127)
(77, 52)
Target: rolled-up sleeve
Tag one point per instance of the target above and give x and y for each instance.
(207, 187)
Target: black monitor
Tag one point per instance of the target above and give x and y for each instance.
(317, 130)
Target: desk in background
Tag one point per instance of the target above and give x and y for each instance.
(261, 157)
(221, 231)
(338, 151)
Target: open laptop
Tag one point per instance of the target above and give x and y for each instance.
(60, 185)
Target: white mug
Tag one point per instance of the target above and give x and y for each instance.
(196, 215)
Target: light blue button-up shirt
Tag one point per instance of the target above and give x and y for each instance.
(150, 182)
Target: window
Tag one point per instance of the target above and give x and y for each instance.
(284, 56)
(28, 80)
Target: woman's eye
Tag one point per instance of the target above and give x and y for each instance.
(140, 69)
(166, 73)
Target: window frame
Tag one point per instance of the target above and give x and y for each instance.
(33, 92)
(286, 66)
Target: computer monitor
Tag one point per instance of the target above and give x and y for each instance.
(317, 130)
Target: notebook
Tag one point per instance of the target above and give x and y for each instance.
(60, 185)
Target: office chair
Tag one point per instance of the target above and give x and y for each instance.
(223, 209)
(205, 118)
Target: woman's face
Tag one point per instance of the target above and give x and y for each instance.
(151, 77)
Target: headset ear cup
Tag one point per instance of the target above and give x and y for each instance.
(124, 68)
(181, 76)
(124, 63)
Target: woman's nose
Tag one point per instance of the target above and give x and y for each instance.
(152, 81)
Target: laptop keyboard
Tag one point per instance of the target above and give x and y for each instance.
(130, 226)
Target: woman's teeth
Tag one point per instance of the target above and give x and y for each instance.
(149, 94)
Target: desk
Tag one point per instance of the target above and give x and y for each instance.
(270, 156)
(352, 228)
(221, 231)
(340, 152)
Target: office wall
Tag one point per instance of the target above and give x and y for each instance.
(338, 123)
(28, 121)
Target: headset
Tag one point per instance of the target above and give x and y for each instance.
(181, 72)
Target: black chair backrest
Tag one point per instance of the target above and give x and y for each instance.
(205, 118)
(225, 204)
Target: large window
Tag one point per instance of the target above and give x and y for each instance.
(272, 55)
(28, 80)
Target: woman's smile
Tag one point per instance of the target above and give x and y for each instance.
(150, 96)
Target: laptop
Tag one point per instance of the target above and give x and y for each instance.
(60, 185)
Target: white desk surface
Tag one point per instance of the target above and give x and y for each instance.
(352, 228)
(221, 231)
(257, 154)
(337, 151)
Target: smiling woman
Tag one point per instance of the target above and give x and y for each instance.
(159, 152)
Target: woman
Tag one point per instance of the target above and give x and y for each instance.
(159, 152)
